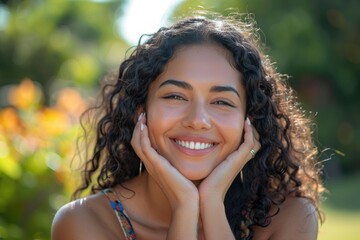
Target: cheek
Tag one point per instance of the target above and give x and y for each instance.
(158, 120)
(161, 117)
(234, 132)
(152, 129)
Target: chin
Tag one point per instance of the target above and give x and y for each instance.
(195, 175)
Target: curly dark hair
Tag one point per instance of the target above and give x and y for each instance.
(286, 165)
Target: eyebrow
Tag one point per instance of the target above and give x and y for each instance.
(224, 89)
(178, 83)
(186, 85)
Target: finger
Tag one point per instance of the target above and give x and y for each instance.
(241, 156)
(255, 133)
(251, 139)
(135, 140)
(136, 132)
(150, 155)
(257, 144)
(256, 148)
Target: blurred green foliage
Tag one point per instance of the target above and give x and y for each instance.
(66, 47)
(317, 44)
(59, 42)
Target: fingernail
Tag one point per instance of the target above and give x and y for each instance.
(141, 127)
(140, 116)
(248, 121)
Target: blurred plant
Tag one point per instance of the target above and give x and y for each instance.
(56, 41)
(36, 148)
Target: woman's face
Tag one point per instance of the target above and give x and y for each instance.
(196, 110)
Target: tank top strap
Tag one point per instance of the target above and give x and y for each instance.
(120, 213)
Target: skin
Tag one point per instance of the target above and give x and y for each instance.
(199, 97)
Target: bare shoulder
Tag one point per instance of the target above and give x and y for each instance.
(85, 218)
(297, 219)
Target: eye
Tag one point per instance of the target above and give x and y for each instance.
(224, 103)
(175, 97)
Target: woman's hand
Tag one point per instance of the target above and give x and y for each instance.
(181, 193)
(213, 188)
(218, 182)
(178, 189)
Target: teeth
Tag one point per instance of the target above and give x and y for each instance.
(194, 145)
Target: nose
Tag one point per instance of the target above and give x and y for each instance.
(197, 117)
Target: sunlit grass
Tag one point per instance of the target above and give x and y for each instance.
(340, 224)
(342, 210)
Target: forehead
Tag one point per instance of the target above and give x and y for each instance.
(202, 61)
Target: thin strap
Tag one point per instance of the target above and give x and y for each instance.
(120, 213)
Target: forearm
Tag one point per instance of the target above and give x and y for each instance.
(215, 223)
(184, 223)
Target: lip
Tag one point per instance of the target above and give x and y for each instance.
(194, 152)
(194, 139)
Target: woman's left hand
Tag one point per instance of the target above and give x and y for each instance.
(215, 186)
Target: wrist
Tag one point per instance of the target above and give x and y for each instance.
(188, 206)
(212, 204)
(184, 222)
(211, 199)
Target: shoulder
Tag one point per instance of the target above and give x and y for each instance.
(85, 218)
(297, 219)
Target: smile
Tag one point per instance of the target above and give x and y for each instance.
(194, 145)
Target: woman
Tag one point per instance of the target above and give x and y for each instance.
(198, 137)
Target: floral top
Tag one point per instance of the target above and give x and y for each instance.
(121, 214)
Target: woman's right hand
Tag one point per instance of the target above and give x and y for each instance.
(181, 193)
(179, 190)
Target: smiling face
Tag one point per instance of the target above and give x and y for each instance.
(196, 110)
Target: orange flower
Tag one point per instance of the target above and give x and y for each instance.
(26, 95)
(70, 101)
(10, 121)
(52, 122)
